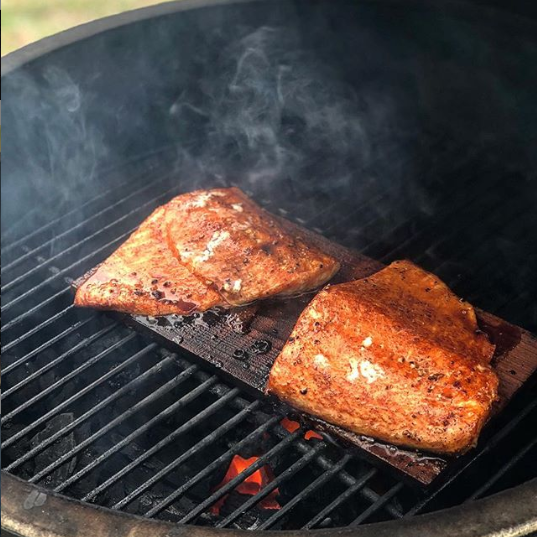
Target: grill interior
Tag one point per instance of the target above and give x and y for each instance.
(415, 145)
(100, 413)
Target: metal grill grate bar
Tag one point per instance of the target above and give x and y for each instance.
(312, 487)
(78, 244)
(284, 476)
(69, 268)
(355, 484)
(41, 247)
(208, 440)
(214, 407)
(82, 345)
(64, 380)
(37, 328)
(385, 498)
(167, 412)
(47, 344)
(490, 445)
(165, 388)
(361, 482)
(56, 410)
(65, 271)
(340, 223)
(105, 194)
(448, 211)
(81, 419)
(209, 469)
(486, 270)
(422, 232)
(348, 479)
(34, 309)
(377, 198)
(454, 233)
(511, 463)
(456, 226)
(247, 472)
(329, 211)
(333, 229)
(314, 220)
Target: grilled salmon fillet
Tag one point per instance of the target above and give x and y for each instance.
(396, 356)
(205, 249)
(225, 238)
(143, 277)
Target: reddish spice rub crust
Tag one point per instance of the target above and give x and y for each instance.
(226, 239)
(396, 356)
(204, 249)
(143, 277)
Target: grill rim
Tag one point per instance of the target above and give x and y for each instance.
(20, 57)
(33, 511)
(511, 511)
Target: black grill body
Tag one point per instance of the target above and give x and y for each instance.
(401, 132)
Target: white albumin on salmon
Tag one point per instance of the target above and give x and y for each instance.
(396, 356)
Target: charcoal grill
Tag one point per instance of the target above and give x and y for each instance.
(401, 130)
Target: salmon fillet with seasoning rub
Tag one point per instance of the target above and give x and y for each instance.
(143, 277)
(225, 238)
(396, 356)
(201, 250)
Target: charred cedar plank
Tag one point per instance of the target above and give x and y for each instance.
(245, 356)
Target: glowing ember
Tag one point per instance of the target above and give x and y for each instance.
(292, 426)
(250, 486)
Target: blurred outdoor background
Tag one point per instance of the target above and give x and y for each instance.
(25, 21)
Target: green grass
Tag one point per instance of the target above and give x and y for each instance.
(26, 21)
